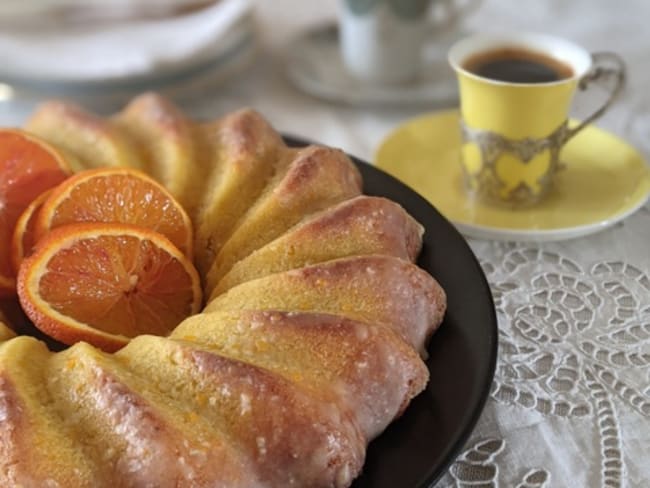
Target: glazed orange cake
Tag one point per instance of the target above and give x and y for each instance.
(309, 339)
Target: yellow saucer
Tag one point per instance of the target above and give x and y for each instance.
(604, 181)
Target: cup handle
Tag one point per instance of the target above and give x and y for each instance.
(605, 66)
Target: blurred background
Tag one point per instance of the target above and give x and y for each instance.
(215, 56)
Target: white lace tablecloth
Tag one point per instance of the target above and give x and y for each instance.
(570, 402)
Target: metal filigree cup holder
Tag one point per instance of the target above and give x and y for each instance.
(491, 183)
(488, 185)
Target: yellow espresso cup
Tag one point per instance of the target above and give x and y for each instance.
(516, 91)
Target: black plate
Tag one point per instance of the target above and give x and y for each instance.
(417, 449)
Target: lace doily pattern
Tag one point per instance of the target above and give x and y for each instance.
(574, 357)
(478, 467)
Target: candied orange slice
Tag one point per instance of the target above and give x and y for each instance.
(24, 238)
(117, 195)
(106, 283)
(28, 167)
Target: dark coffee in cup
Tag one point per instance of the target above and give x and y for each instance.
(517, 65)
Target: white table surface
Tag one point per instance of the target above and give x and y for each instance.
(570, 402)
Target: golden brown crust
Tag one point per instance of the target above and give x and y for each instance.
(254, 407)
(373, 289)
(35, 447)
(361, 225)
(316, 178)
(164, 138)
(241, 153)
(373, 372)
(89, 141)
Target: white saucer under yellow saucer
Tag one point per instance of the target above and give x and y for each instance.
(314, 65)
(604, 181)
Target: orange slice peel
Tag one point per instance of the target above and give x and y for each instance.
(28, 167)
(106, 283)
(24, 238)
(117, 195)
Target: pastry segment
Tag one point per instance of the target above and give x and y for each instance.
(317, 178)
(361, 225)
(371, 289)
(88, 140)
(241, 153)
(295, 435)
(164, 138)
(367, 366)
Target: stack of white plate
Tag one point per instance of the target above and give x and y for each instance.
(104, 52)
